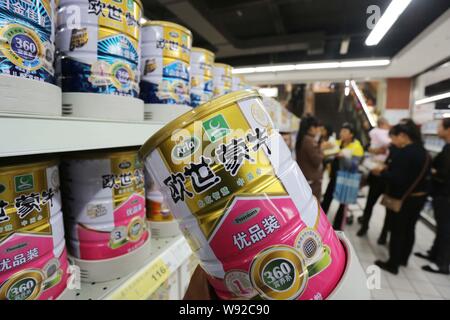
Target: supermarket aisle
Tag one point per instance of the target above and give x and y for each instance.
(411, 282)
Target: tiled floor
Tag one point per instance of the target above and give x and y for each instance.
(411, 282)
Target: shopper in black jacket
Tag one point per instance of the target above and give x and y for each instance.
(440, 252)
(404, 169)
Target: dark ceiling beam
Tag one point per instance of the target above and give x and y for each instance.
(277, 18)
(245, 5)
(197, 21)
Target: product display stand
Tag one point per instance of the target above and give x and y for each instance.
(353, 284)
(163, 229)
(21, 95)
(164, 112)
(102, 106)
(109, 269)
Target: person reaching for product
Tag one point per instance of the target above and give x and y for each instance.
(406, 193)
(439, 254)
(309, 155)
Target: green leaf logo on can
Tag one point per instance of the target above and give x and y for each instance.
(24, 182)
(216, 128)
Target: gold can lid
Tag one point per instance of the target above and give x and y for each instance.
(223, 65)
(169, 24)
(196, 114)
(203, 50)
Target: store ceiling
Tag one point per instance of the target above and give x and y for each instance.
(257, 32)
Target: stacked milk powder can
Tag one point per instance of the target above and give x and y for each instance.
(33, 259)
(104, 200)
(201, 82)
(27, 50)
(99, 57)
(166, 49)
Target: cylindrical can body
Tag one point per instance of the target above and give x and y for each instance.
(104, 200)
(33, 258)
(27, 39)
(99, 44)
(222, 79)
(166, 50)
(243, 203)
(201, 82)
(237, 83)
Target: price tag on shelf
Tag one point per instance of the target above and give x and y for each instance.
(143, 284)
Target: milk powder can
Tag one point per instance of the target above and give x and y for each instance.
(201, 82)
(33, 258)
(222, 79)
(104, 199)
(166, 49)
(99, 46)
(243, 204)
(27, 39)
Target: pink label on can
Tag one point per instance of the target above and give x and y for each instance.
(255, 227)
(129, 232)
(29, 268)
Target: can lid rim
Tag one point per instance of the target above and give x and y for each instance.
(196, 114)
(203, 50)
(219, 64)
(167, 24)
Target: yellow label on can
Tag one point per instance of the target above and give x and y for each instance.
(175, 44)
(210, 176)
(126, 178)
(122, 16)
(26, 198)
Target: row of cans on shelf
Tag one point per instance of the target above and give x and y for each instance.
(105, 216)
(101, 47)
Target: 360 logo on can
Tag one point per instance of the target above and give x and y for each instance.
(23, 47)
(279, 272)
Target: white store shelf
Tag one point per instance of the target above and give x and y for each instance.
(26, 135)
(170, 252)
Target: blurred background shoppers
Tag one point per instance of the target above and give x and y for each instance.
(406, 177)
(439, 254)
(309, 154)
(379, 149)
(351, 151)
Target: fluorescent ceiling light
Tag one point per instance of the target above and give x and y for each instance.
(393, 11)
(433, 98)
(363, 103)
(314, 66)
(288, 67)
(364, 63)
(347, 83)
(269, 92)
